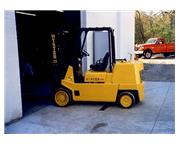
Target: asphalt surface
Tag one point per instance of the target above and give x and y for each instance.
(156, 114)
(158, 72)
(158, 68)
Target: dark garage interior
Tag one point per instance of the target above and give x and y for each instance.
(38, 74)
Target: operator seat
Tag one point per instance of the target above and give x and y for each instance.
(101, 64)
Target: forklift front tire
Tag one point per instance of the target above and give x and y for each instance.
(62, 97)
(126, 100)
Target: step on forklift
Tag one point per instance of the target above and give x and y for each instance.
(108, 80)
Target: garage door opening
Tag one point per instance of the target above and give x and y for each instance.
(34, 29)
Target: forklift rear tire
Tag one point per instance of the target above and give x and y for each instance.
(126, 100)
(62, 97)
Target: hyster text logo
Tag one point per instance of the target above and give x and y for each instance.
(54, 48)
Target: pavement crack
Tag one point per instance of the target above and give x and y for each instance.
(97, 126)
(160, 110)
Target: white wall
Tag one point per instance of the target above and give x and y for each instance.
(125, 34)
(123, 23)
(13, 104)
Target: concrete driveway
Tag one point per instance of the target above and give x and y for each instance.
(155, 115)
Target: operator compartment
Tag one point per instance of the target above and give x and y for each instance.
(98, 77)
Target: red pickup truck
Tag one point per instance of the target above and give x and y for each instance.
(155, 46)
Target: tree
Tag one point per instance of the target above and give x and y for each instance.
(139, 26)
(154, 24)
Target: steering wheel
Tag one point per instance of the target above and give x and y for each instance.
(84, 53)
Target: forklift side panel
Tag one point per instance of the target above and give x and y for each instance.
(104, 92)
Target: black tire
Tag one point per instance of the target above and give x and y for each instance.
(166, 55)
(62, 97)
(126, 99)
(147, 54)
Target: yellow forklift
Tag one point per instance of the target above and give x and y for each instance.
(108, 80)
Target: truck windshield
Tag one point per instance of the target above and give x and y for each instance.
(151, 41)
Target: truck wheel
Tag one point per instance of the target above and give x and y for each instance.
(126, 100)
(148, 54)
(62, 97)
(166, 55)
